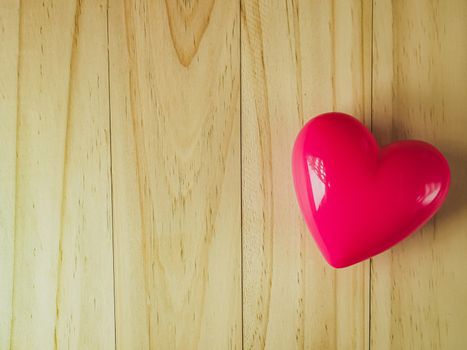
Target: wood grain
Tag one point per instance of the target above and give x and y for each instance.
(299, 59)
(62, 289)
(175, 82)
(146, 197)
(9, 24)
(419, 288)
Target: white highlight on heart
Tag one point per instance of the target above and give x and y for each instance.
(317, 175)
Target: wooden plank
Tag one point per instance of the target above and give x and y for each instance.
(175, 83)
(9, 16)
(299, 59)
(419, 288)
(63, 284)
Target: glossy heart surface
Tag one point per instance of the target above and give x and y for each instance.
(359, 199)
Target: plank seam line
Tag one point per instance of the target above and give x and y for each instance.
(15, 222)
(371, 129)
(241, 173)
(111, 178)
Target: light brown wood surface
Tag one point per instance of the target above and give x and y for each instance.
(299, 59)
(58, 284)
(9, 25)
(175, 111)
(146, 198)
(419, 288)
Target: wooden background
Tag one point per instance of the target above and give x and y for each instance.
(146, 198)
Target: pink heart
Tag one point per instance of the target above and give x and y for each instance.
(357, 199)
